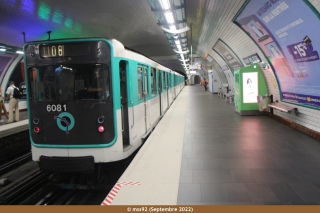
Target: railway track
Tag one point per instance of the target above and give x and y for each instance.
(14, 163)
(23, 189)
(38, 188)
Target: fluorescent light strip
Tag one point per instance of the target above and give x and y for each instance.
(169, 17)
(19, 52)
(165, 4)
(2, 49)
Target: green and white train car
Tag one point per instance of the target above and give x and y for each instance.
(92, 101)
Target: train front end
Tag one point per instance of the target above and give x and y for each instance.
(72, 114)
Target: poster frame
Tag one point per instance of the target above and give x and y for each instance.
(217, 70)
(214, 69)
(219, 39)
(315, 11)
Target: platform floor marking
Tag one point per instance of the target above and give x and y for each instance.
(157, 165)
(112, 194)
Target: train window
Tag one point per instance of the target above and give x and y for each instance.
(153, 81)
(70, 82)
(164, 81)
(140, 83)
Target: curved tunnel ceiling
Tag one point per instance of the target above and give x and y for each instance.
(131, 22)
(212, 20)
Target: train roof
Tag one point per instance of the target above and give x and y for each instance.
(121, 51)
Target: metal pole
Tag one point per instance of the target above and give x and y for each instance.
(191, 47)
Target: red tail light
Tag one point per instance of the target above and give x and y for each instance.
(101, 129)
(36, 129)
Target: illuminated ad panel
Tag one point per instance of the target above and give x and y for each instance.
(217, 67)
(226, 53)
(250, 87)
(288, 33)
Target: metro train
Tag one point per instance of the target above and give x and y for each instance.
(92, 101)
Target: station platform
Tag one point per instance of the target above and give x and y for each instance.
(203, 153)
(15, 127)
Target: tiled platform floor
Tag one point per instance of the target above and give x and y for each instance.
(232, 160)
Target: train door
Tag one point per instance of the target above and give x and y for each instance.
(124, 103)
(146, 97)
(159, 90)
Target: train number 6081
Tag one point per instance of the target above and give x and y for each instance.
(56, 108)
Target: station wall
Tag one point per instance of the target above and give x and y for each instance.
(308, 117)
(243, 46)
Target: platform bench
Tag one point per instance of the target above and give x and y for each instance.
(284, 108)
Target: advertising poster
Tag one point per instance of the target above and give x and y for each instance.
(250, 87)
(252, 59)
(5, 61)
(229, 75)
(227, 54)
(288, 33)
(217, 67)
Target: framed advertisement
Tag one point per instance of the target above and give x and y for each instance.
(250, 87)
(285, 33)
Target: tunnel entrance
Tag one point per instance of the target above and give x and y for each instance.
(196, 79)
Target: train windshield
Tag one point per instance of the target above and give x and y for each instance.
(69, 82)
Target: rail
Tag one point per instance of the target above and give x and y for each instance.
(14, 163)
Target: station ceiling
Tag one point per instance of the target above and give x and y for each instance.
(130, 21)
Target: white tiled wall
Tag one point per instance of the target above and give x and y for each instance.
(309, 118)
(316, 4)
(218, 24)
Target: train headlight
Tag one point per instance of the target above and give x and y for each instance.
(101, 129)
(100, 120)
(36, 129)
(36, 121)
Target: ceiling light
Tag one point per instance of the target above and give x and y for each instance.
(169, 17)
(19, 52)
(2, 49)
(165, 4)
